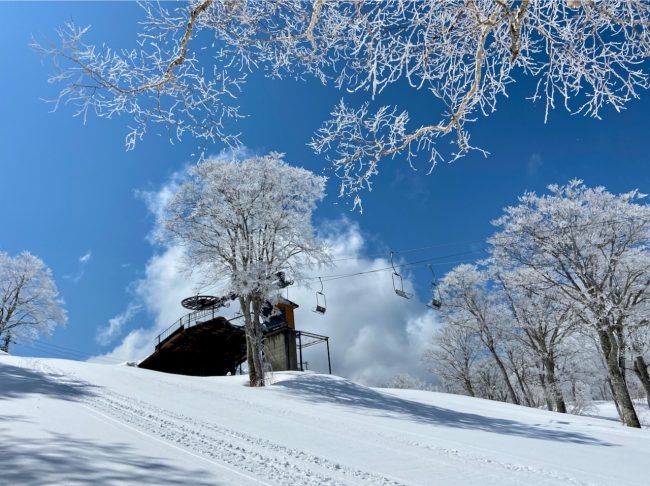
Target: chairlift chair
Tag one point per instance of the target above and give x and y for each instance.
(321, 302)
(436, 300)
(282, 281)
(435, 304)
(398, 282)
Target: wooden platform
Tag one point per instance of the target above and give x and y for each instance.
(211, 348)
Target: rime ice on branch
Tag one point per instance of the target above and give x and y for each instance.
(191, 63)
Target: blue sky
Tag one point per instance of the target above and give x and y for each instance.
(68, 189)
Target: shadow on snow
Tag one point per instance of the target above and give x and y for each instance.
(343, 392)
(16, 382)
(61, 459)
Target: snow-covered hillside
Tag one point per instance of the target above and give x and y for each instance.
(66, 422)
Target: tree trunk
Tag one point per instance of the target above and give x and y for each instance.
(6, 341)
(641, 371)
(488, 341)
(611, 392)
(468, 387)
(531, 396)
(520, 381)
(610, 349)
(256, 355)
(554, 386)
(547, 393)
(467, 380)
(504, 372)
(259, 339)
(252, 375)
(253, 342)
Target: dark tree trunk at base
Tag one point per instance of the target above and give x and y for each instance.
(622, 397)
(253, 344)
(469, 388)
(504, 373)
(6, 341)
(641, 371)
(554, 386)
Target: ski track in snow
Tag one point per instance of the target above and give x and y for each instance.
(278, 464)
(472, 459)
(464, 459)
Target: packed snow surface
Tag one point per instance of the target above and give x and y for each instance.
(66, 422)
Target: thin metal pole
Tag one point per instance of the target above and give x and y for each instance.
(300, 348)
(329, 363)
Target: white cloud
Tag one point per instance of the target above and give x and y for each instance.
(105, 335)
(159, 293)
(374, 334)
(83, 261)
(158, 199)
(535, 163)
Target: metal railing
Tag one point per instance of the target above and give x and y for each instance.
(197, 317)
(189, 320)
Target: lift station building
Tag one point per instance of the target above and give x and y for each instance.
(202, 343)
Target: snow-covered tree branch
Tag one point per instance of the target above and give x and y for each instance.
(541, 321)
(454, 354)
(29, 301)
(192, 61)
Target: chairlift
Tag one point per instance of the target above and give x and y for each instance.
(321, 302)
(398, 282)
(282, 281)
(436, 299)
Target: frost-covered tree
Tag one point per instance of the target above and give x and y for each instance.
(583, 372)
(243, 222)
(489, 381)
(541, 321)
(470, 302)
(29, 301)
(454, 351)
(521, 366)
(593, 248)
(191, 61)
(404, 381)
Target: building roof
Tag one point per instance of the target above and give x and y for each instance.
(284, 301)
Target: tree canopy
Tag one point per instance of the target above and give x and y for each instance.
(565, 292)
(248, 225)
(29, 300)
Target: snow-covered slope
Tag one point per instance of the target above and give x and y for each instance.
(66, 422)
